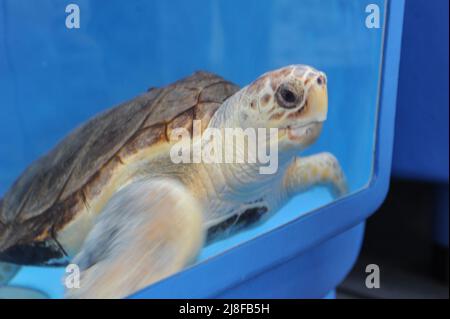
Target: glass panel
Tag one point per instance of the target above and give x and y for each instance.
(53, 78)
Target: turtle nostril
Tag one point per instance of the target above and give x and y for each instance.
(320, 80)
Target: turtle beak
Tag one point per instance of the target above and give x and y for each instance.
(318, 99)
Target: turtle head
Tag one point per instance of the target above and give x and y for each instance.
(292, 99)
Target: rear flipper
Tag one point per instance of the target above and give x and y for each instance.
(7, 272)
(147, 231)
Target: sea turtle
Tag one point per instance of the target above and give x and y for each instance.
(110, 198)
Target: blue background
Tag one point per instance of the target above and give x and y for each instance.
(52, 79)
(421, 134)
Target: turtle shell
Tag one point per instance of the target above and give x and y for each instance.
(53, 189)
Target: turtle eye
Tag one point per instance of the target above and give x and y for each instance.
(287, 96)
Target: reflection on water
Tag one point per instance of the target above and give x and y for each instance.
(54, 79)
(15, 292)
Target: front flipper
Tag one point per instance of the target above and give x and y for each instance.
(147, 231)
(319, 169)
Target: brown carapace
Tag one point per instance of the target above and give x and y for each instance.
(58, 186)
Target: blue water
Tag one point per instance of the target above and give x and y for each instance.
(52, 78)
